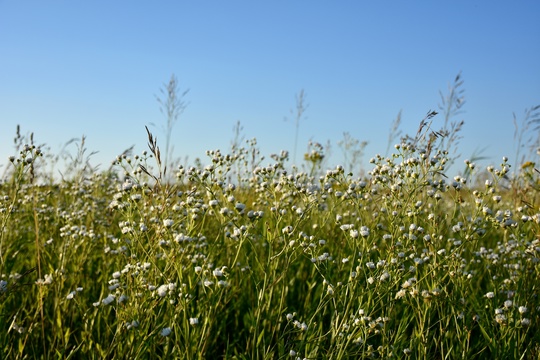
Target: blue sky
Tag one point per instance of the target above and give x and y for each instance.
(93, 68)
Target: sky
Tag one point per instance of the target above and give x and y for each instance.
(94, 68)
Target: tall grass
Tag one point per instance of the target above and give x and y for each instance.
(250, 260)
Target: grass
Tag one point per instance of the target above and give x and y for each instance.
(240, 259)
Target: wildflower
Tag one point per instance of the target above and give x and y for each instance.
(401, 293)
(522, 309)
(364, 231)
(346, 227)
(114, 286)
(217, 273)
(323, 257)
(133, 324)
(168, 223)
(287, 230)
(289, 316)
(292, 353)
(508, 304)
(330, 290)
(16, 327)
(71, 295)
(490, 295)
(109, 299)
(525, 322)
(193, 321)
(354, 233)
(162, 290)
(165, 331)
(223, 283)
(48, 280)
(500, 318)
(240, 207)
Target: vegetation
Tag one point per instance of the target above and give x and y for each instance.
(244, 259)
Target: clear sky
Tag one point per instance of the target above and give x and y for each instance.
(93, 68)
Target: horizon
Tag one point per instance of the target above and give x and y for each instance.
(69, 70)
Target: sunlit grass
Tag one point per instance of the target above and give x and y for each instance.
(242, 258)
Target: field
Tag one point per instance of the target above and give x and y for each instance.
(243, 258)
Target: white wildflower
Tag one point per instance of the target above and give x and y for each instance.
(217, 273)
(223, 283)
(109, 299)
(162, 290)
(287, 230)
(401, 293)
(364, 231)
(385, 276)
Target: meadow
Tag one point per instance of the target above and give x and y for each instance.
(242, 257)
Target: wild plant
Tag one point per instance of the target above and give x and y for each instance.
(353, 152)
(243, 257)
(298, 115)
(172, 105)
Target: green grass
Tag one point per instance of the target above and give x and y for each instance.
(241, 259)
